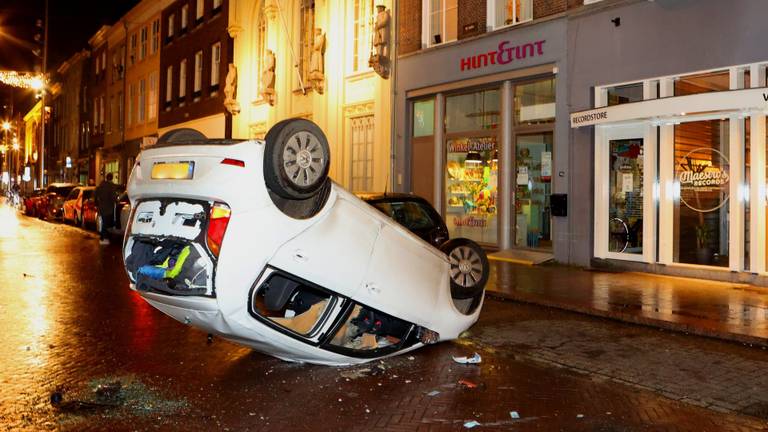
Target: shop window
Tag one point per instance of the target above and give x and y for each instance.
(535, 102)
(702, 178)
(509, 12)
(472, 112)
(702, 83)
(114, 168)
(625, 94)
(443, 21)
(625, 200)
(362, 153)
(423, 118)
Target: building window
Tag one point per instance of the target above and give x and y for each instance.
(183, 79)
(120, 111)
(142, 100)
(101, 114)
(215, 65)
(103, 60)
(143, 51)
(306, 36)
(217, 5)
(168, 86)
(170, 27)
(702, 174)
(95, 114)
(509, 12)
(702, 83)
(152, 96)
(112, 167)
(134, 45)
(625, 94)
(363, 24)
(443, 21)
(476, 111)
(155, 35)
(261, 42)
(535, 102)
(198, 82)
(112, 114)
(423, 118)
(184, 17)
(131, 101)
(198, 10)
(97, 65)
(361, 160)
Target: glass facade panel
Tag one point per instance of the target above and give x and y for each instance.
(702, 83)
(625, 94)
(533, 186)
(625, 199)
(702, 177)
(423, 118)
(535, 102)
(472, 112)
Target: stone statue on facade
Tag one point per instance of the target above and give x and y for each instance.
(379, 60)
(230, 90)
(267, 89)
(316, 66)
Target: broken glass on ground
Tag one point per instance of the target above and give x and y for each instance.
(475, 359)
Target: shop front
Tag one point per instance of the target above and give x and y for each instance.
(479, 136)
(679, 172)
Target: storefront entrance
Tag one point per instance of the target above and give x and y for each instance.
(533, 186)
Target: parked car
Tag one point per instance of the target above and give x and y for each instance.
(252, 241)
(30, 202)
(73, 207)
(53, 203)
(413, 212)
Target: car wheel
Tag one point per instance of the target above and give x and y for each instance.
(469, 268)
(296, 159)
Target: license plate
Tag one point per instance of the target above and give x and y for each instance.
(173, 170)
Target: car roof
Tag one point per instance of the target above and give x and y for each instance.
(63, 185)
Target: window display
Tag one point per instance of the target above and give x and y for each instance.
(702, 179)
(472, 188)
(625, 218)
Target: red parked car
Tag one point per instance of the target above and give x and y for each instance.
(53, 204)
(74, 203)
(31, 202)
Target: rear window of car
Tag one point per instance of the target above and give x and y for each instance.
(409, 214)
(87, 194)
(61, 191)
(73, 194)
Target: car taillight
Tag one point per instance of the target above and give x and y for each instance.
(233, 162)
(217, 226)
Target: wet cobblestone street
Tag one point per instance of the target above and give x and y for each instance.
(71, 326)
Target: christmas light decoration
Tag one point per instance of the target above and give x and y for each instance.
(27, 80)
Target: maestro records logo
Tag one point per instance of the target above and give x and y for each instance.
(704, 177)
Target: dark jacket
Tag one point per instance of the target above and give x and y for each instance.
(105, 197)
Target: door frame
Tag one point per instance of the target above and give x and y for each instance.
(525, 131)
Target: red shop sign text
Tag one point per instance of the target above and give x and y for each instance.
(505, 53)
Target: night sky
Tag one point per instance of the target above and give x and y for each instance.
(72, 23)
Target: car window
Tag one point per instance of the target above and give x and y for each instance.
(410, 214)
(73, 194)
(87, 194)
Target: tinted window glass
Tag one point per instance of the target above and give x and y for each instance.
(87, 194)
(73, 194)
(409, 214)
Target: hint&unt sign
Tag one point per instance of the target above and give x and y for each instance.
(505, 53)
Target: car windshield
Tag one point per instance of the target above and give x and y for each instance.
(61, 190)
(410, 214)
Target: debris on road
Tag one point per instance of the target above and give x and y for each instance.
(472, 423)
(467, 383)
(475, 359)
(433, 393)
(514, 414)
(579, 415)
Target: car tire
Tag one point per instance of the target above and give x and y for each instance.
(296, 159)
(469, 268)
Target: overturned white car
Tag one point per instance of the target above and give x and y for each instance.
(251, 241)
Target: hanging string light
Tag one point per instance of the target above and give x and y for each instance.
(25, 80)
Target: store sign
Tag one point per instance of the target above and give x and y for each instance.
(704, 179)
(472, 144)
(470, 221)
(505, 53)
(588, 118)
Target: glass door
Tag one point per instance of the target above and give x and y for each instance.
(533, 186)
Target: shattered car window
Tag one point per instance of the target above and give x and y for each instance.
(366, 329)
(291, 304)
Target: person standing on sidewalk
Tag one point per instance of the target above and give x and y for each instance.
(105, 196)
